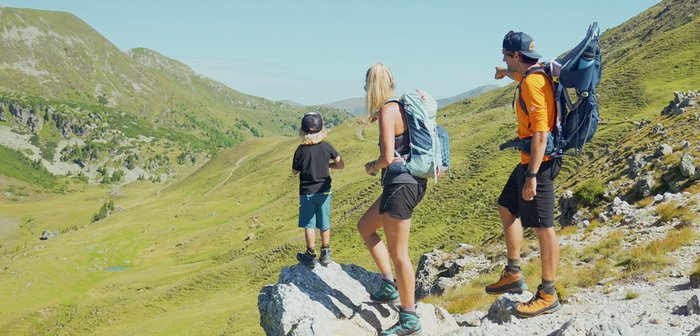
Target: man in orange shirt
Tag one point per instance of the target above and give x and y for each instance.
(527, 200)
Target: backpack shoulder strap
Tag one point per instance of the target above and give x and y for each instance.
(394, 99)
(536, 69)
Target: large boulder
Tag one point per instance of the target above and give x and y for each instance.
(681, 101)
(687, 166)
(334, 300)
(567, 207)
(438, 271)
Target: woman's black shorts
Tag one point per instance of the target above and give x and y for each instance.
(399, 199)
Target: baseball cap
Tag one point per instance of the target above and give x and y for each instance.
(312, 123)
(522, 43)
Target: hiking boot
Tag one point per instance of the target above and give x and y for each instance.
(408, 324)
(387, 293)
(541, 303)
(325, 257)
(508, 283)
(307, 259)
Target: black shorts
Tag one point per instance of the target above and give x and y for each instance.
(399, 199)
(540, 211)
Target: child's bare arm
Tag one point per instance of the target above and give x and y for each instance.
(337, 164)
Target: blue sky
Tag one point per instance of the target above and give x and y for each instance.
(317, 51)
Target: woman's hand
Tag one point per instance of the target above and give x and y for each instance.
(370, 169)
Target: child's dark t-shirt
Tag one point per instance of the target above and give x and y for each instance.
(312, 163)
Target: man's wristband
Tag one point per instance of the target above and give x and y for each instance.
(530, 174)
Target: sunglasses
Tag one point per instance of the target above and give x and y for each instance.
(365, 87)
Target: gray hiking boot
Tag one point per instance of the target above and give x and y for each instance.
(306, 259)
(408, 324)
(387, 293)
(325, 257)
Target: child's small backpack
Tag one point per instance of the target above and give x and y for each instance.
(429, 143)
(576, 122)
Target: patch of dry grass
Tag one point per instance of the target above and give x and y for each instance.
(670, 210)
(653, 256)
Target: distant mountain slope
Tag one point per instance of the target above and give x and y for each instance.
(56, 55)
(465, 95)
(354, 106)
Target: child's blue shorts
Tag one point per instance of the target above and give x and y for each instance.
(315, 211)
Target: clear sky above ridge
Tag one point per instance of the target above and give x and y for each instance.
(317, 51)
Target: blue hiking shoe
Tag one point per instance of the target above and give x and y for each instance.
(387, 293)
(306, 259)
(408, 324)
(325, 257)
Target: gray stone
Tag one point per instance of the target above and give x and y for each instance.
(471, 319)
(663, 150)
(695, 280)
(501, 311)
(635, 165)
(693, 306)
(644, 185)
(334, 300)
(567, 207)
(439, 272)
(687, 166)
(430, 269)
(658, 129)
(685, 144)
(617, 201)
(610, 329)
(695, 332)
(680, 102)
(602, 217)
(46, 234)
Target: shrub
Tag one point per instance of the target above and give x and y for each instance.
(105, 210)
(589, 192)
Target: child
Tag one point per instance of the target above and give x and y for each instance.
(311, 161)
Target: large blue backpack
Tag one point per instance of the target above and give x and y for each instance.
(576, 121)
(429, 143)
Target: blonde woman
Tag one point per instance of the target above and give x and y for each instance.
(311, 161)
(392, 211)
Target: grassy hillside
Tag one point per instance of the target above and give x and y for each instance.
(177, 259)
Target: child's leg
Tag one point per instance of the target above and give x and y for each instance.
(307, 220)
(310, 236)
(326, 238)
(323, 218)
